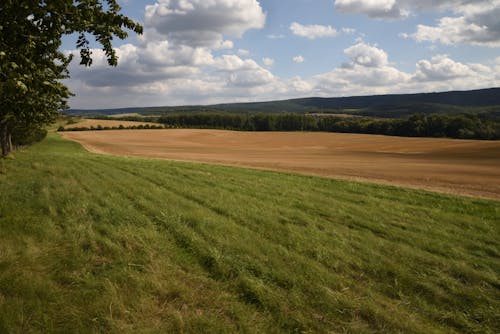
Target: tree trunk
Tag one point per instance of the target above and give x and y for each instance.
(4, 135)
(10, 148)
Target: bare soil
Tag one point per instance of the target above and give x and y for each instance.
(463, 167)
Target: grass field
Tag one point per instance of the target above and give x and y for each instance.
(93, 243)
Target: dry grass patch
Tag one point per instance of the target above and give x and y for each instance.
(87, 123)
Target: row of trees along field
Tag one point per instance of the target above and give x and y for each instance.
(31, 64)
(418, 125)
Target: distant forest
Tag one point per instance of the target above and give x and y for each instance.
(465, 126)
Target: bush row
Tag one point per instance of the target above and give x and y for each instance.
(120, 127)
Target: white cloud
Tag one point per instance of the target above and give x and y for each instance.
(370, 72)
(348, 30)
(222, 79)
(243, 52)
(298, 59)
(442, 68)
(366, 55)
(477, 24)
(173, 63)
(142, 65)
(238, 72)
(497, 67)
(372, 8)
(202, 22)
(299, 86)
(357, 79)
(268, 61)
(165, 73)
(474, 22)
(398, 9)
(275, 36)
(312, 31)
(164, 53)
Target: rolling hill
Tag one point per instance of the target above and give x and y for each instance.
(431, 102)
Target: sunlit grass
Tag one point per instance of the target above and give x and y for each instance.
(92, 243)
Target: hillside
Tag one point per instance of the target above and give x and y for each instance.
(434, 101)
(472, 98)
(94, 243)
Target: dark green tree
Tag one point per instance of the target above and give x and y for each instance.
(31, 64)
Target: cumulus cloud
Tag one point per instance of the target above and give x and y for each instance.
(173, 61)
(161, 72)
(243, 52)
(442, 68)
(202, 22)
(398, 9)
(141, 65)
(472, 22)
(268, 61)
(237, 72)
(372, 8)
(298, 59)
(370, 72)
(313, 31)
(358, 79)
(220, 79)
(476, 24)
(366, 55)
(497, 69)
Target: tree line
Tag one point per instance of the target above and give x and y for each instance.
(463, 126)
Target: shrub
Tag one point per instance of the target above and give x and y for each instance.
(27, 135)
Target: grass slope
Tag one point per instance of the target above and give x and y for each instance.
(92, 243)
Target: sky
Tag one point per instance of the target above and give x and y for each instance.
(219, 51)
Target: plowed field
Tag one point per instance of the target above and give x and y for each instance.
(464, 167)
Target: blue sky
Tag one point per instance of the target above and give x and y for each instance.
(203, 52)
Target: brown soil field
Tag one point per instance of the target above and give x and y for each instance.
(102, 122)
(463, 167)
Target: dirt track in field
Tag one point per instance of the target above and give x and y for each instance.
(464, 167)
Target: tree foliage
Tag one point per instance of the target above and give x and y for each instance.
(31, 63)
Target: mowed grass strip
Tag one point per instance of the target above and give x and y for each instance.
(94, 243)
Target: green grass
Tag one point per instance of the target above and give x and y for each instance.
(92, 243)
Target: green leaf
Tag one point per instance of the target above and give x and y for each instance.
(21, 85)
